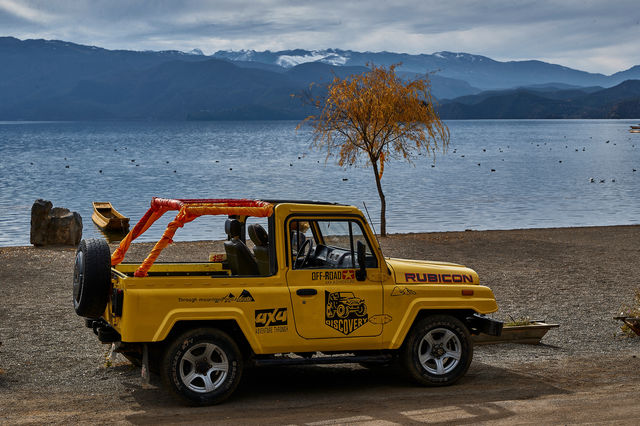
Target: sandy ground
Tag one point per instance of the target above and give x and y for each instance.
(53, 369)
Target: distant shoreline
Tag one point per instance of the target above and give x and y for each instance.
(137, 120)
(389, 237)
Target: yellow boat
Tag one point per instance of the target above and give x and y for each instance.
(107, 217)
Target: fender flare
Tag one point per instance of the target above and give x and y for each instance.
(208, 315)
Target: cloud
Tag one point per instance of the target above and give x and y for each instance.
(596, 35)
(24, 12)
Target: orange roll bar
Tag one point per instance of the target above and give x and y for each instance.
(188, 210)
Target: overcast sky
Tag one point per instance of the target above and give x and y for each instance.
(592, 35)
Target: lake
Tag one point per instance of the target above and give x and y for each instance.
(496, 174)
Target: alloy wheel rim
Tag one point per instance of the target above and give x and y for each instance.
(439, 351)
(204, 367)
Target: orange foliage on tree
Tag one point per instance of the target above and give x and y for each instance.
(381, 117)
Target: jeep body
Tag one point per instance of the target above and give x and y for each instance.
(330, 292)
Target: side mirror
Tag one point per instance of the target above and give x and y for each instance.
(361, 273)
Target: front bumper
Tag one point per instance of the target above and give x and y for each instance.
(481, 324)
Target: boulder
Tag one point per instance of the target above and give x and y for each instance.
(54, 225)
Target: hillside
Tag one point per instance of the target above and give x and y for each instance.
(621, 101)
(58, 80)
(45, 80)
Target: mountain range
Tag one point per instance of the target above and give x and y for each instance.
(620, 101)
(58, 80)
(478, 71)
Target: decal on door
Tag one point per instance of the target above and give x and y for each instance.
(271, 320)
(344, 311)
(333, 277)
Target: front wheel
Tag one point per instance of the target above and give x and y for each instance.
(202, 366)
(438, 351)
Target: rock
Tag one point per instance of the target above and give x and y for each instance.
(54, 226)
(39, 220)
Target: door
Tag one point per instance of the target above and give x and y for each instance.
(327, 298)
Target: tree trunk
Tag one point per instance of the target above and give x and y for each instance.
(383, 203)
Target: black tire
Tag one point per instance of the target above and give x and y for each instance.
(189, 372)
(430, 351)
(91, 278)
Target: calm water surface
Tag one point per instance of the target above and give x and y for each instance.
(541, 177)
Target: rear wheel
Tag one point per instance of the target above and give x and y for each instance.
(91, 278)
(202, 366)
(438, 351)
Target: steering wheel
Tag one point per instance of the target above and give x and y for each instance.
(306, 258)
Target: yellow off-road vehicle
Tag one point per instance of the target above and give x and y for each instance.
(311, 288)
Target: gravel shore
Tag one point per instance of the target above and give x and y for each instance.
(575, 277)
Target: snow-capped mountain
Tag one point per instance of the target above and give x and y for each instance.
(287, 58)
(288, 61)
(338, 57)
(476, 70)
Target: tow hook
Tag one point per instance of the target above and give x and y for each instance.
(104, 331)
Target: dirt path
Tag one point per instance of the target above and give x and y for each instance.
(532, 393)
(53, 367)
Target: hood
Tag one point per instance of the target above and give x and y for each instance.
(427, 272)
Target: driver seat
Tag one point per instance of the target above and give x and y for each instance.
(240, 258)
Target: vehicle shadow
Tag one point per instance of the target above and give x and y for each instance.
(317, 393)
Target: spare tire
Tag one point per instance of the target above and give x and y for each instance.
(91, 278)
